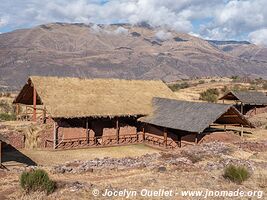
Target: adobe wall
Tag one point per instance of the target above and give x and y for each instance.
(186, 138)
(155, 131)
(96, 128)
(15, 139)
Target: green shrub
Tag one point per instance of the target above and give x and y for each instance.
(213, 81)
(5, 106)
(178, 86)
(210, 95)
(264, 86)
(235, 78)
(37, 180)
(225, 89)
(7, 117)
(238, 88)
(201, 82)
(237, 174)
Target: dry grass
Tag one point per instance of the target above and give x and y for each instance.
(193, 93)
(50, 157)
(137, 179)
(97, 97)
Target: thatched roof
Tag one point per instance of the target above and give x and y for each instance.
(252, 98)
(192, 116)
(75, 97)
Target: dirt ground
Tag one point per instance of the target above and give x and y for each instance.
(171, 171)
(51, 157)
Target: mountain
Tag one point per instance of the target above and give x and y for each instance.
(121, 51)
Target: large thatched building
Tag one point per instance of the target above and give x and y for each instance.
(91, 110)
(100, 112)
(246, 100)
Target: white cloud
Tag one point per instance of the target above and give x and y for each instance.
(259, 37)
(121, 30)
(163, 36)
(173, 14)
(3, 21)
(109, 30)
(236, 19)
(215, 19)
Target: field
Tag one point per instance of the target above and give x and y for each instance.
(80, 173)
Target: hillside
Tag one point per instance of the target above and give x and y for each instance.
(121, 51)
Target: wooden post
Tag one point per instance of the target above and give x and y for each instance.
(26, 113)
(242, 130)
(17, 111)
(117, 130)
(44, 115)
(196, 139)
(34, 104)
(144, 133)
(242, 109)
(224, 127)
(55, 135)
(223, 101)
(87, 131)
(165, 138)
(0, 152)
(180, 140)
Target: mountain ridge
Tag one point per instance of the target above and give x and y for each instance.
(121, 51)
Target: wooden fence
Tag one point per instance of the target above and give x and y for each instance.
(112, 140)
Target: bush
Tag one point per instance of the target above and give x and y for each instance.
(179, 86)
(235, 78)
(7, 117)
(264, 86)
(236, 174)
(238, 88)
(37, 180)
(225, 89)
(210, 95)
(5, 107)
(201, 82)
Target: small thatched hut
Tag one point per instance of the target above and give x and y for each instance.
(90, 111)
(246, 100)
(175, 119)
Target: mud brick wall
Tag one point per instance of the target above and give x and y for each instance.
(15, 139)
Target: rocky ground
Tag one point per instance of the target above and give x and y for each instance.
(194, 167)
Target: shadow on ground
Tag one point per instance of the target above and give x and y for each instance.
(10, 153)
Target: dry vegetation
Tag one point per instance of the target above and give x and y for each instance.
(177, 170)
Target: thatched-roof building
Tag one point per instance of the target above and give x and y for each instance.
(99, 112)
(246, 100)
(77, 98)
(251, 98)
(180, 118)
(101, 107)
(192, 117)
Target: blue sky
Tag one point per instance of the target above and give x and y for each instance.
(210, 19)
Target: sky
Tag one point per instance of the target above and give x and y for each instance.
(209, 19)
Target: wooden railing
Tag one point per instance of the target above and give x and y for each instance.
(27, 114)
(98, 141)
(112, 140)
(160, 142)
